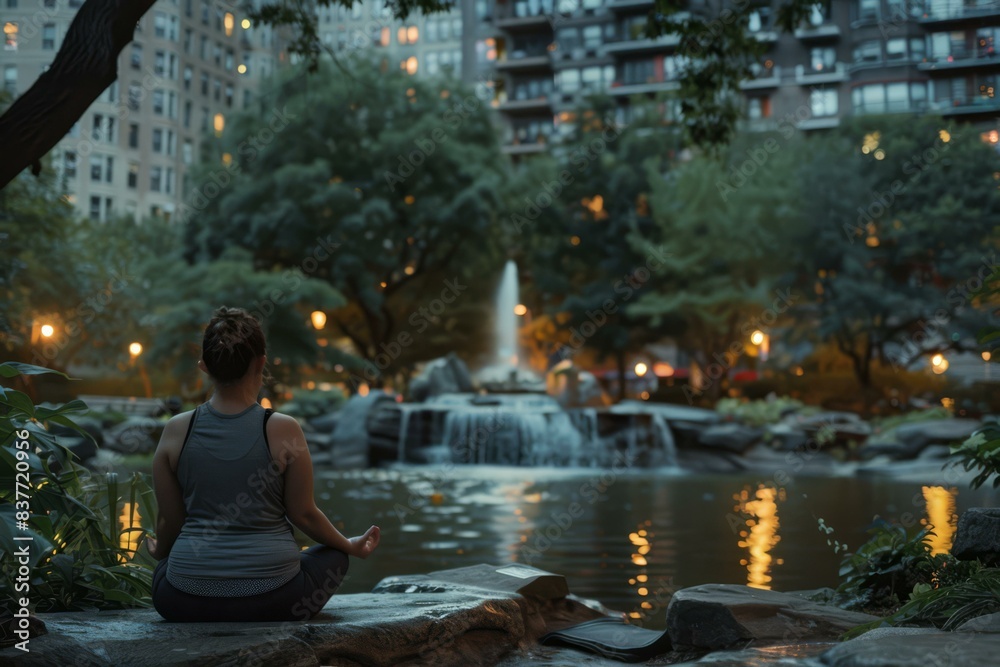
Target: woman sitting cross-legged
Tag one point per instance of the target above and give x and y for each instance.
(231, 479)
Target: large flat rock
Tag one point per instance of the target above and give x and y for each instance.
(917, 650)
(726, 616)
(467, 617)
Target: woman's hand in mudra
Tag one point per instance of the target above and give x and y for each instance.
(364, 545)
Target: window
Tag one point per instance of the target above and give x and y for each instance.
(168, 181)
(10, 36)
(69, 164)
(204, 83)
(136, 56)
(134, 96)
(918, 48)
(157, 140)
(868, 51)
(187, 152)
(823, 102)
(217, 53)
(432, 30)
(133, 135)
(229, 59)
(158, 102)
(895, 49)
(49, 36)
(188, 38)
(638, 71)
(203, 51)
(229, 95)
(133, 175)
(867, 9)
(897, 97)
(758, 107)
(217, 89)
(160, 63)
(96, 168)
(569, 80)
(10, 79)
(204, 12)
(673, 67)
(160, 24)
(187, 114)
(822, 59)
(592, 37)
(171, 111)
(95, 208)
(155, 178)
(188, 75)
(109, 164)
(408, 34)
(97, 131)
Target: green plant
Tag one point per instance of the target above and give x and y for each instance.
(946, 607)
(759, 412)
(981, 450)
(79, 556)
(883, 571)
(309, 403)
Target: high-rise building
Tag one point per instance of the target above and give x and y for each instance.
(191, 64)
(849, 57)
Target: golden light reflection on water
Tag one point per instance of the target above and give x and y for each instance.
(762, 534)
(640, 539)
(129, 520)
(941, 517)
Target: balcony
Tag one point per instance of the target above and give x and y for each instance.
(956, 14)
(521, 61)
(959, 60)
(818, 123)
(630, 5)
(767, 79)
(644, 45)
(766, 36)
(889, 107)
(808, 76)
(534, 23)
(970, 105)
(818, 33)
(629, 87)
(531, 105)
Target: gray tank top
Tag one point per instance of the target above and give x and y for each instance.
(235, 540)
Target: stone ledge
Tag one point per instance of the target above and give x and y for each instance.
(438, 623)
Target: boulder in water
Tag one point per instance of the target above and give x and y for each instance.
(444, 375)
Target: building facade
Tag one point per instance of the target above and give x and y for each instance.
(849, 57)
(190, 65)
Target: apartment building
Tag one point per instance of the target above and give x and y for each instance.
(191, 64)
(848, 57)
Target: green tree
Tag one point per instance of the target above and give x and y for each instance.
(727, 240)
(898, 234)
(583, 269)
(383, 186)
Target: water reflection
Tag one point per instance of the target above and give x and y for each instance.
(763, 532)
(941, 517)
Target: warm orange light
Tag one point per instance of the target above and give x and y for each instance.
(219, 123)
(757, 337)
(265, 402)
(363, 389)
(48, 330)
(986, 356)
(135, 349)
(245, 23)
(641, 368)
(412, 33)
(520, 309)
(242, 69)
(318, 318)
(575, 240)
(662, 369)
(228, 22)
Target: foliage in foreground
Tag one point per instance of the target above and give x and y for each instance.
(981, 450)
(757, 413)
(79, 556)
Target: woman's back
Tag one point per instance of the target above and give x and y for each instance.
(235, 540)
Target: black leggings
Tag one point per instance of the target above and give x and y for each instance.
(323, 570)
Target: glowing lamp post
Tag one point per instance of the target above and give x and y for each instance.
(318, 318)
(763, 341)
(134, 352)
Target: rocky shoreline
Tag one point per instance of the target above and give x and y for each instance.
(496, 615)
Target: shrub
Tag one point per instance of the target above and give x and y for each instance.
(981, 450)
(77, 559)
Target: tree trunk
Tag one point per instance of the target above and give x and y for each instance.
(84, 67)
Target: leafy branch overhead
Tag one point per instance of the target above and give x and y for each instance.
(719, 51)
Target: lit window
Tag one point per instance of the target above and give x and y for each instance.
(10, 36)
(219, 123)
(410, 65)
(229, 22)
(385, 37)
(412, 33)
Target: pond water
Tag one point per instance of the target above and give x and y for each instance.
(628, 538)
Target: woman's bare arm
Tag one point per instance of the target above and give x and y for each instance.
(300, 504)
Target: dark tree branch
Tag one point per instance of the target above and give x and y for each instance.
(84, 67)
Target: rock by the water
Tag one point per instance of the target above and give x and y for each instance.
(986, 623)
(978, 535)
(725, 616)
(916, 650)
(735, 438)
(444, 375)
(456, 623)
(135, 435)
(909, 440)
(349, 440)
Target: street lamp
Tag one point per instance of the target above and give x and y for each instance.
(47, 330)
(762, 340)
(641, 369)
(318, 318)
(135, 349)
(939, 364)
(520, 309)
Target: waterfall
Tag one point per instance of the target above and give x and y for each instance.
(665, 439)
(505, 326)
